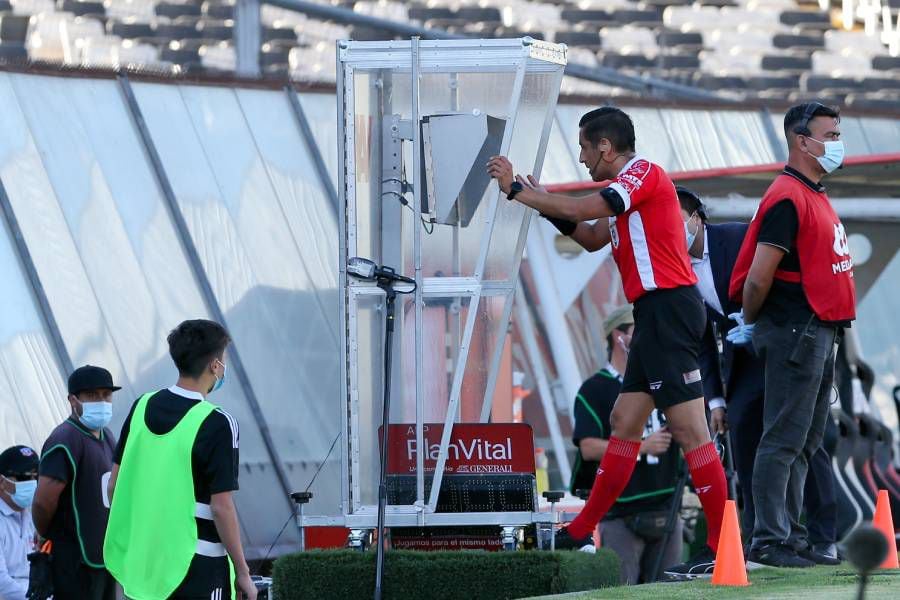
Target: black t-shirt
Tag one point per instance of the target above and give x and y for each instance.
(654, 478)
(214, 457)
(214, 466)
(786, 302)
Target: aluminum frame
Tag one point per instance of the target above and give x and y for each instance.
(416, 57)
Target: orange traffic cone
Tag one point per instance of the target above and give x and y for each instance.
(885, 524)
(730, 568)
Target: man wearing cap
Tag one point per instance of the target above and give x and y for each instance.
(18, 474)
(71, 505)
(634, 528)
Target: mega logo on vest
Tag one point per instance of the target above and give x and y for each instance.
(841, 248)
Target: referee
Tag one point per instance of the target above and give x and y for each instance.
(794, 278)
(638, 213)
(175, 469)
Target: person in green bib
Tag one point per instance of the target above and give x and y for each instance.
(173, 528)
(634, 526)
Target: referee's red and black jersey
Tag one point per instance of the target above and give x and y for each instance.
(648, 239)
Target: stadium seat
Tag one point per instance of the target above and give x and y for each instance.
(176, 31)
(678, 61)
(174, 10)
(626, 61)
(473, 14)
(14, 28)
(851, 42)
(820, 83)
(394, 11)
(839, 65)
(719, 82)
(645, 18)
(583, 39)
(33, 7)
(80, 8)
(219, 10)
(278, 33)
(122, 9)
(218, 58)
(806, 19)
(584, 17)
(630, 40)
(12, 52)
(99, 53)
(748, 41)
(215, 30)
(129, 29)
(677, 40)
(138, 55)
(274, 54)
(786, 63)
(423, 13)
(663, 4)
(789, 41)
(775, 83)
(886, 63)
(178, 54)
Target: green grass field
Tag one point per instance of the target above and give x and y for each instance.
(820, 583)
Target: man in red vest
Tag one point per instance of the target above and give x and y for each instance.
(639, 215)
(794, 278)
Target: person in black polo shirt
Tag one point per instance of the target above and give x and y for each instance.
(197, 348)
(71, 506)
(634, 528)
(794, 279)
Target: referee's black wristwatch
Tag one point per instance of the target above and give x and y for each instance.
(514, 189)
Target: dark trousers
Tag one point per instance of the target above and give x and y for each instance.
(74, 580)
(795, 413)
(819, 495)
(745, 419)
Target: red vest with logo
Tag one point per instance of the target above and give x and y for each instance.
(826, 269)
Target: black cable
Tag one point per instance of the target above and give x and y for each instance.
(283, 527)
(322, 464)
(425, 226)
(402, 198)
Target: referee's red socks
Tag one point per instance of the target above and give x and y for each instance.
(612, 477)
(709, 483)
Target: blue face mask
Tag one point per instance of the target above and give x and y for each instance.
(220, 381)
(24, 494)
(687, 232)
(833, 157)
(95, 415)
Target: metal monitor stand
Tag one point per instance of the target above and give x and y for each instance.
(390, 297)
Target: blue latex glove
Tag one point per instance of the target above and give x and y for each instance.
(743, 333)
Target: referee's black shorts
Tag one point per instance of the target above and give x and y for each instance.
(662, 358)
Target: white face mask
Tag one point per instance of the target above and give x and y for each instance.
(691, 236)
(833, 157)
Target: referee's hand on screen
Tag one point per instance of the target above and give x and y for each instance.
(501, 169)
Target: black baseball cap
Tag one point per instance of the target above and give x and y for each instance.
(90, 377)
(18, 460)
